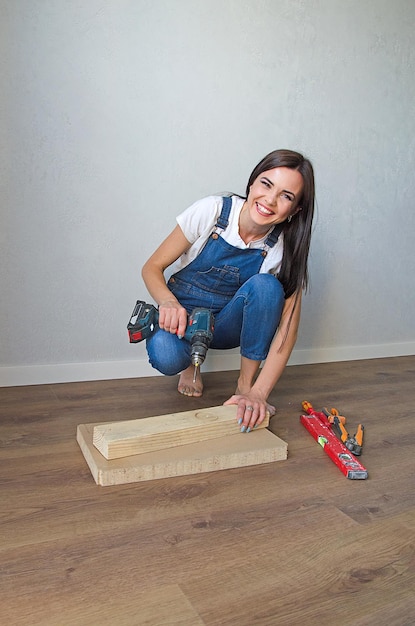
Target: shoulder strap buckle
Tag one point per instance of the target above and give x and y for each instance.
(223, 219)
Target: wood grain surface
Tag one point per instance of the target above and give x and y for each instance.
(121, 439)
(290, 543)
(212, 455)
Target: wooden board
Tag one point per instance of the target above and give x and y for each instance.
(238, 450)
(120, 439)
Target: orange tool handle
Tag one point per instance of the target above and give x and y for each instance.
(359, 434)
(344, 435)
(332, 414)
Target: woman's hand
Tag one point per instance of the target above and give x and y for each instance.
(252, 410)
(173, 317)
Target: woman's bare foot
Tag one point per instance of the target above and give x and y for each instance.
(186, 385)
(242, 391)
(247, 375)
(243, 388)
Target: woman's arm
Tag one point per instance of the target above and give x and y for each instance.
(274, 365)
(172, 316)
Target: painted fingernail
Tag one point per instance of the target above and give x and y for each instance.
(240, 421)
(243, 429)
(248, 430)
(180, 336)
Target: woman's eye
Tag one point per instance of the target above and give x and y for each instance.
(266, 183)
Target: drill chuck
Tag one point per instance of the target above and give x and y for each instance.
(199, 332)
(199, 349)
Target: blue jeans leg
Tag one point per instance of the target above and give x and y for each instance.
(251, 318)
(167, 353)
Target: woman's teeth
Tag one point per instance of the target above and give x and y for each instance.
(263, 210)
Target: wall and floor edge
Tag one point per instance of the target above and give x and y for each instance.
(23, 375)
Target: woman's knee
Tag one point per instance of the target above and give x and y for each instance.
(265, 287)
(167, 354)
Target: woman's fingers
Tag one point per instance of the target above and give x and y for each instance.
(173, 319)
(250, 413)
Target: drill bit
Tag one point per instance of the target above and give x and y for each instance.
(195, 372)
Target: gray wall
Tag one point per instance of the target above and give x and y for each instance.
(116, 115)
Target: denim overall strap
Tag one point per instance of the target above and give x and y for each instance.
(273, 236)
(223, 219)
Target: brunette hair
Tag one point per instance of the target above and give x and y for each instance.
(297, 232)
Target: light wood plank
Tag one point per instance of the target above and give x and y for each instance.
(238, 450)
(121, 439)
(163, 606)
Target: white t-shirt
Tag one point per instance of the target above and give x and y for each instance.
(198, 221)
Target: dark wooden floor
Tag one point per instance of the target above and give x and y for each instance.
(292, 542)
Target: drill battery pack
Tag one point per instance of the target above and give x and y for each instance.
(143, 321)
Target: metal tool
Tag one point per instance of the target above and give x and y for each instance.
(355, 443)
(332, 414)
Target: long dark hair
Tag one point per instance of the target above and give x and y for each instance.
(297, 232)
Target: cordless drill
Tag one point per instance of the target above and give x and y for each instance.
(199, 330)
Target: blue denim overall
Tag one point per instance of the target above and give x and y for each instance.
(246, 305)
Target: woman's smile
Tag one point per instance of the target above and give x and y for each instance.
(263, 210)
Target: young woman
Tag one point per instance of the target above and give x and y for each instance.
(245, 259)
